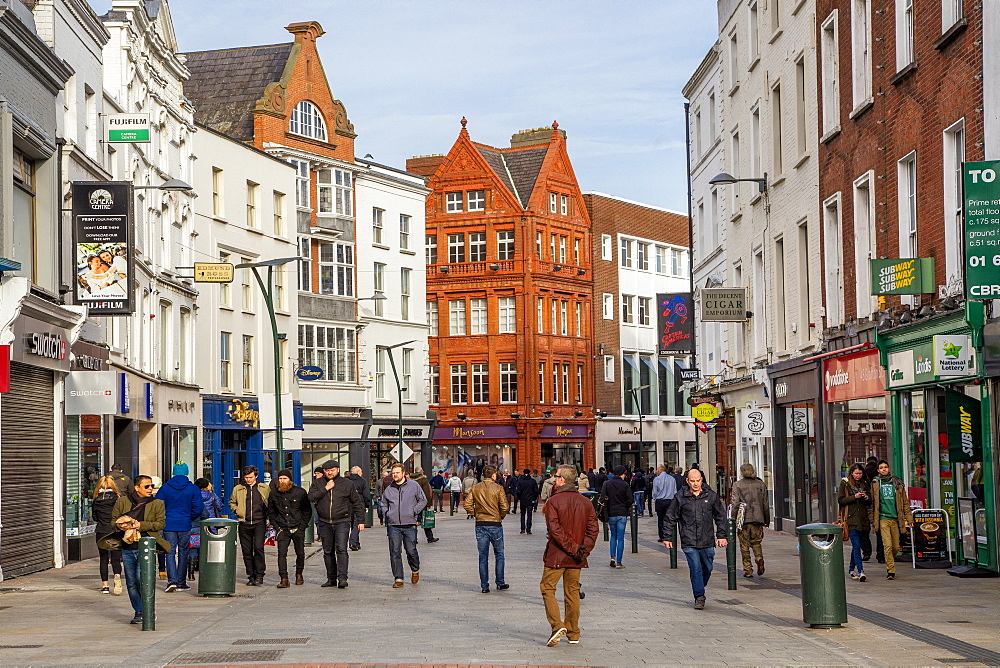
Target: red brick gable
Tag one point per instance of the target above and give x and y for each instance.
(303, 79)
(557, 175)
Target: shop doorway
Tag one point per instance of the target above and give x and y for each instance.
(803, 498)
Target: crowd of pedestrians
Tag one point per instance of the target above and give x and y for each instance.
(689, 515)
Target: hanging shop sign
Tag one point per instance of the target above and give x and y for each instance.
(105, 250)
(475, 431)
(981, 226)
(723, 304)
(757, 421)
(705, 412)
(902, 276)
(857, 376)
(309, 373)
(688, 374)
(564, 431)
(4, 369)
(675, 324)
(126, 128)
(214, 272)
(705, 427)
(963, 416)
(91, 393)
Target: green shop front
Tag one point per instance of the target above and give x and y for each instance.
(940, 433)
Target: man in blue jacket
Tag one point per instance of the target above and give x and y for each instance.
(183, 503)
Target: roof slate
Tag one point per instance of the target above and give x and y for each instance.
(226, 84)
(518, 170)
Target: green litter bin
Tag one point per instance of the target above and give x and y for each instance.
(217, 557)
(821, 563)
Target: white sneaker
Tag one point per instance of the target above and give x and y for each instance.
(854, 575)
(117, 586)
(556, 637)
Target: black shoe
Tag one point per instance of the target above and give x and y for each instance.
(890, 576)
(260, 580)
(529, 533)
(522, 530)
(355, 548)
(486, 590)
(252, 582)
(137, 619)
(433, 540)
(329, 583)
(342, 584)
(503, 587)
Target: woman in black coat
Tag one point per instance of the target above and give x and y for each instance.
(105, 497)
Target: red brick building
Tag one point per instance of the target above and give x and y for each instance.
(509, 287)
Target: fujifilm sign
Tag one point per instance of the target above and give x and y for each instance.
(126, 128)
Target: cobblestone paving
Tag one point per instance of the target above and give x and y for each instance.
(640, 615)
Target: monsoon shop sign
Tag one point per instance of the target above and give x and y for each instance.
(902, 276)
(724, 304)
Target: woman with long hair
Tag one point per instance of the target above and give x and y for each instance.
(854, 501)
(105, 496)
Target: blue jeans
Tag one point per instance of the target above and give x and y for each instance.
(638, 501)
(177, 559)
(399, 538)
(699, 567)
(486, 536)
(130, 563)
(616, 525)
(856, 562)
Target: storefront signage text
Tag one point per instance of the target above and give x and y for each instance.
(385, 432)
(902, 276)
(757, 422)
(498, 432)
(240, 411)
(461, 432)
(126, 128)
(981, 210)
(675, 326)
(857, 376)
(781, 390)
(177, 405)
(87, 362)
(705, 412)
(951, 355)
(309, 373)
(628, 430)
(47, 345)
(925, 362)
(963, 415)
(724, 304)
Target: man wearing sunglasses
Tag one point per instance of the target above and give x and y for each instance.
(572, 534)
(148, 515)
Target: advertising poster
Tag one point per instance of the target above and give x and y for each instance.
(104, 248)
(930, 539)
(982, 229)
(675, 323)
(964, 426)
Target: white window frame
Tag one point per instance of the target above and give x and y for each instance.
(478, 316)
(904, 33)
(507, 311)
(508, 382)
(378, 216)
(628, 311)
(430, 249)
(225, 361)
(606, 247)
(954, 142)
(404, 231)
(456, 248)
(302, 198)
(307, 121)
(833, 260)
(777, 131)
(336, 274)
(553, 203)
(625, 252)
(459, 384)
(432, 317)
(505, 245)
(861, 53)
(951, 13)
(457, 322)
(476, 200)
(453, 202)
(830, 74)
(645, 308)
(404, 293)
(865, 247)
(477, 247)
(378, 283)
(753, 30)
(406, 372)
(608, 306)
(480, 383)
(305, 264)
(609, 368)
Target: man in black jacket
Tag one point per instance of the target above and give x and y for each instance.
(617, 496)
(526, 491)
(289, 510)
(365, 491)
(337, 502)
(696, 510)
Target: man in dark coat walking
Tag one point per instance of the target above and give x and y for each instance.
(356, 477)
(526, 491)
(337, 502)
(696, 510)
(289, 510)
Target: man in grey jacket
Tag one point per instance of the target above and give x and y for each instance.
(401, 504)
(751, 492)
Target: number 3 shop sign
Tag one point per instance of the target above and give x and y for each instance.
(982, 229)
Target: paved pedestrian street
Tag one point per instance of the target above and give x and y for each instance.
(640, 615)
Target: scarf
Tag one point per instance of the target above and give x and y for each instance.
(140, 512)
(887, 479)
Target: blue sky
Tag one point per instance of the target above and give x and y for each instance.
(610, 71)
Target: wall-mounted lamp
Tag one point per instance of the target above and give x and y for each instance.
(462, 416)
(444, 270)
(600, 415)
(516, 416)
(578, 414)
(495, 267)
(557, 267)
(547, 414)
(581, 272)
(724, 179)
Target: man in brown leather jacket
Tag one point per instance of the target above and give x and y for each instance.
(488, 503)
(572, 526)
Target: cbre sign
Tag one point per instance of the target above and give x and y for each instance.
(981, 209)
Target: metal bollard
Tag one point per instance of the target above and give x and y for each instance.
(147, 582)
(370, 515)
(451, 503)
(673, 550)
(731, 551)
(635, 529)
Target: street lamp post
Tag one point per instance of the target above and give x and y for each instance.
(399, 391)
(268, 292)
(638, 406)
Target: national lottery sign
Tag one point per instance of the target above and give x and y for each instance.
(104, 254)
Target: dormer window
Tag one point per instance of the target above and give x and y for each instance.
(477, 200)
(307, 121)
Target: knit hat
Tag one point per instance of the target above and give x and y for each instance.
(284, 472)
(618, 470)
(180, 468)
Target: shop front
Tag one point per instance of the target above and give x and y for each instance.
(90, 404)
(661, 440)
(856, 417)
(32, 434)
(741, 402)
(232, 438)
(941, 425)
(470, 447)
(563, 444)
(801, 490)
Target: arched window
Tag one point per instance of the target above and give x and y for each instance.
(306, 120)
